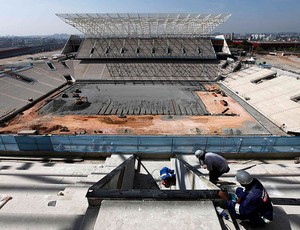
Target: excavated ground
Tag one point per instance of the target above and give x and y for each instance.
(216, 118)
(289, 63)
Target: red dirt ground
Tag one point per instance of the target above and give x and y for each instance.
(137, 125)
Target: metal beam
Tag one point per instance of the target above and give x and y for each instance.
(95, 197)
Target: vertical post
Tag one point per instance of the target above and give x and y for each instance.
(240, 145)
(206, 144)
(37, 146)
(138, 169)
(15, 143)
(138, 145)
(2, 143)
(50, 138)
(272, 146)
(70, 145)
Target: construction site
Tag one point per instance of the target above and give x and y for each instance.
(84, 136)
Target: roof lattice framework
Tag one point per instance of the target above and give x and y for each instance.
(144, 25)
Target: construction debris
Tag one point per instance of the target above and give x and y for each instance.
(223, 102)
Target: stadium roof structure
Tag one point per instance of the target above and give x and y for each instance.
(144, 25)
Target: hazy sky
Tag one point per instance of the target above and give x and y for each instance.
(37, 17)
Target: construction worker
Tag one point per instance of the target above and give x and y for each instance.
(168, 177)
(253, 202)
(214, 163)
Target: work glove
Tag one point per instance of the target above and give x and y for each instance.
(240, 193)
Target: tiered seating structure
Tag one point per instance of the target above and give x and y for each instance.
(24, 86)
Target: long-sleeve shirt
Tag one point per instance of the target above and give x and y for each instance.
(255, 201)
(215, 162)
(166, 173)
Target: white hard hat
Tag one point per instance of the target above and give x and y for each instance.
(199, 153)
(243, 177)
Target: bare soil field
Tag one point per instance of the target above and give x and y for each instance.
(235, 120)
(291, 63)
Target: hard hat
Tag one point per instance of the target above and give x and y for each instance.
(199, 153)
(243, 177)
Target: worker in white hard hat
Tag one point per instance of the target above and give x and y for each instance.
(253, 202)
(214, 163)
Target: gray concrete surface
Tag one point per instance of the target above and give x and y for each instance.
(157, 215)
(130, 99)
(51, 195)
(266, 123)
(46, 195)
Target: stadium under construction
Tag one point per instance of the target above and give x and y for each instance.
(84, 134)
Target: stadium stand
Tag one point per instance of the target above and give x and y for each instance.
(146, 48)
(164, 71)
(272, 92)
(122, 47)
(72, 45)
(23, 86)
(150, 63)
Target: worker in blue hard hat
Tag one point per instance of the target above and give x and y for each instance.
(253, 202)
(214, 163)
(168, 177)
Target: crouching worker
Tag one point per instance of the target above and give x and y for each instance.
(214, 163)
(253, 202)
(168, 177)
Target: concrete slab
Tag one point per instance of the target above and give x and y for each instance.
(33, 186)
(157, 215)
(90, 218)
(46, 204)
(116, 159)
(91, 179)
(46, 169)
(79, 191)
(33, 179)
(283, 219)
(21, 221)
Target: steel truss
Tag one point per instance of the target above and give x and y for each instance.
(145, 25)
